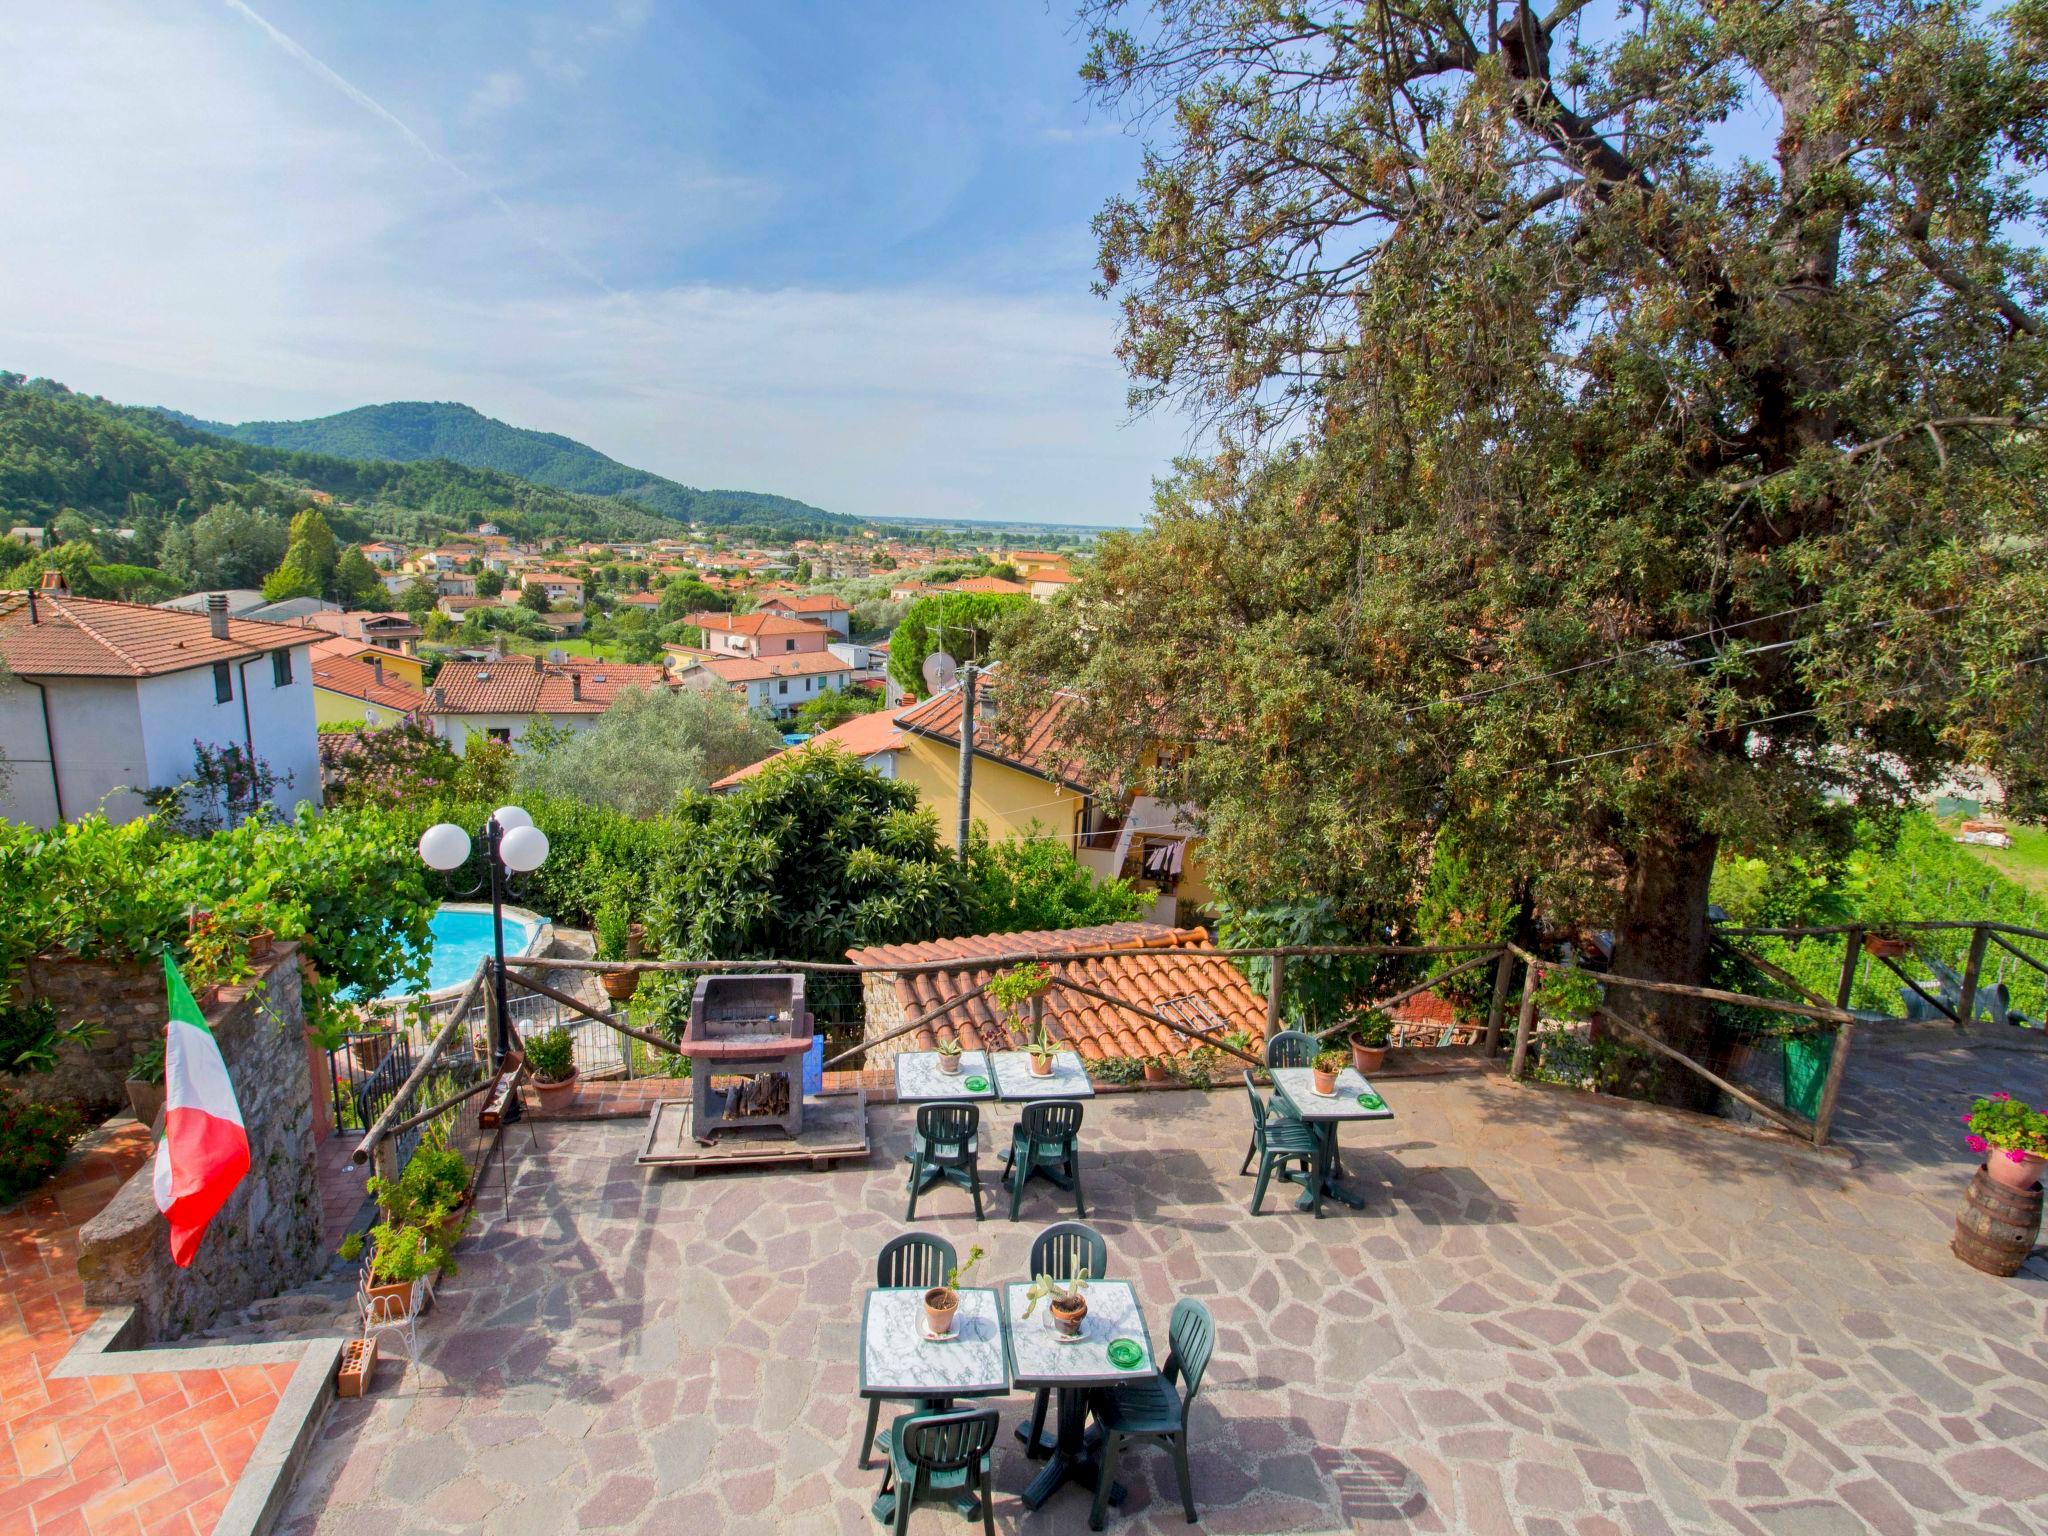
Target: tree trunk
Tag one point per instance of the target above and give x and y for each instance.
(1662, 936)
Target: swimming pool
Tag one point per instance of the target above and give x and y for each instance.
(462, 937)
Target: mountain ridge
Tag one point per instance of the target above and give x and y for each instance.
(404, 431)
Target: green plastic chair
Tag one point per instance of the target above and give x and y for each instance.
(1046, 1144)
(1058, 1251)
(1277, 1141)
(919, 1260)
(945, 1147)
(1292, 1048)
(1156, 1407)
(940, 1458)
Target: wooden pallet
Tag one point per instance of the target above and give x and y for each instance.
(835, 1128)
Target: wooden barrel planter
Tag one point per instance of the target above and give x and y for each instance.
(1998, 1226)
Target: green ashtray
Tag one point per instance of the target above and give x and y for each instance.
(977, 1085)
(1371, 1101)
(1126, 1354)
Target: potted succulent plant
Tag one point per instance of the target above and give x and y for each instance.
(614, 936)
(1324, 1069)
(942, 1302)
(950, 1051)
(2012, 1136)
(1014, 991)
(145, 1083)
(1068, 1307)
(1370, 1036)
(551, 1062)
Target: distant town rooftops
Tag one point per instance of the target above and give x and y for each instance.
(753, 624)
(986, 584)
(862, 737)
(745, 669)
(362, 676)
(527, 685)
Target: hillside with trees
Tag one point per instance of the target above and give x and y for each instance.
(409, 430)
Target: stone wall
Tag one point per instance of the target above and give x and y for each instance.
(125, 998)
(884, 1012)
(266, 1239)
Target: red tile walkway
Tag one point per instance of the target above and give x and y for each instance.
(156, 1452)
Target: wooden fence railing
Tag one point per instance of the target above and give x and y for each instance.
(403, 1112)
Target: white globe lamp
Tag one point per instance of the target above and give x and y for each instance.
(510, 816)
(444, 846)
(524, 848)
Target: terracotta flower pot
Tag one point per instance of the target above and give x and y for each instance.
(1878, 944)
(941, 1306)
(1068, 1313)
(2022, 1176)
(949, 1061)
(1326, 1082)
(145, 1100)
(619, 986)
(1156, 1073)
(1368, 1059)
(1041, 1066)
(555, 1095)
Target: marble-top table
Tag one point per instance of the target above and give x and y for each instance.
(897, 1360)
(1071, 1370)
(1297, 1086)
(920, 1081)
(1015, 1082)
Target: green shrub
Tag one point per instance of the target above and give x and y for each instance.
(551, 1054)
(34, 1139)
(1030, 883)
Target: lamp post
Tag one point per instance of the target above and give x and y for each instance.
(513, 845)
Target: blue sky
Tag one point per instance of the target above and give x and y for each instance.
(838, 251)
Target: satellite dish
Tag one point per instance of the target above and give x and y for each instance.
(940, 672)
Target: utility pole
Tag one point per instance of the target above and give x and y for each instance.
(969, 674)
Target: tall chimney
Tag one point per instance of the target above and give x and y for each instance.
(377, 668)
(217, 615)
(576, 686)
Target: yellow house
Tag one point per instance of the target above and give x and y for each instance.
(361, 683)
(1017, 783)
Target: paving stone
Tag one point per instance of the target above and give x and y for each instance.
(1526, 1331)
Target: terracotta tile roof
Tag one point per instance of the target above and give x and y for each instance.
(93, 637)
(808, 602)
(754, 624)
(862, 736)
(1031, 744)
(1166, 965)
(746, 669)
(354, 676)
(526, 685)
(984, 584)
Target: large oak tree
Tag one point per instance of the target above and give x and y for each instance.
(1586, 489)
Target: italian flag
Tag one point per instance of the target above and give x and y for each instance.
(204, 1151)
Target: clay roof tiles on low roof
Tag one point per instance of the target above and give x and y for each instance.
(749, 669)
(523, 685)
(58, 635)
(984, 584)
(1166, 966)
(1032, 746)
(862, 736)
(755, 624)
(809, 602)
(354, 677)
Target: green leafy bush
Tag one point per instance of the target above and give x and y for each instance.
(34, 1139)
(551, 1054)
(1029, 883)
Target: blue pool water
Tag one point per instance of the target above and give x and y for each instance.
(461, 939)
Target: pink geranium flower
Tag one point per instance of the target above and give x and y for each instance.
(2001, 1094)
(2016, 1155)
(1976, 1143)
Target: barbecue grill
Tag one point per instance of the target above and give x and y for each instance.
(755, 1030)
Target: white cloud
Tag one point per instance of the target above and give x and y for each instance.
(194, 220)
(499, 91)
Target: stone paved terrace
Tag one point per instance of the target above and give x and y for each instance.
(1555, 1317)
